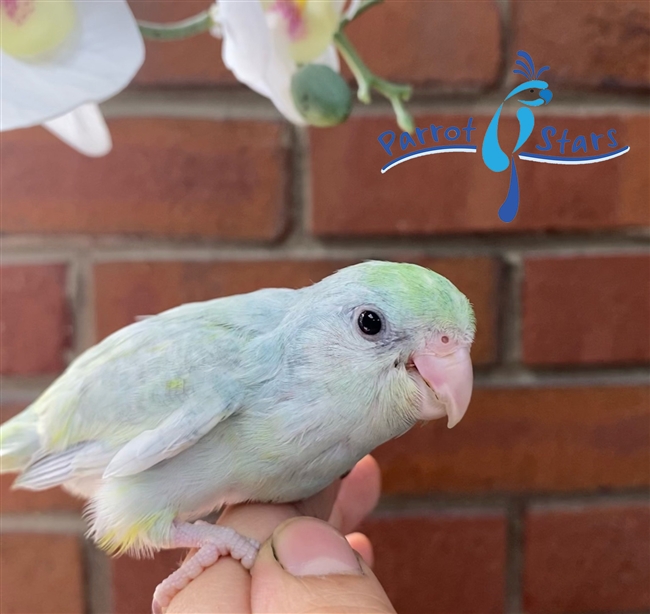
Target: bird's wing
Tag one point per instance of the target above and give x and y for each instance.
(154, 388)
(526, 124)
(178, 432)
(493, 156)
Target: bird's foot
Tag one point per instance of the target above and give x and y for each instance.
(212, 542)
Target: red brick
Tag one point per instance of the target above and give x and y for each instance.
(134, 581)
(587, 559)
(34, 319)
(588, 309)
(126, 290)
(441, 563)
(456, 193)
(164, 177)
(12, 501)
(41, 574)
(528, 440)
(193, 61)
(593, 44)
(451, 44)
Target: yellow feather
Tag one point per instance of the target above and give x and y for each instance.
(119, 541)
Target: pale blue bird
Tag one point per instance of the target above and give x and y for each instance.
(267, 396)
(493, 155)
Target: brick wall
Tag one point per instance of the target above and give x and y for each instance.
(538, 500)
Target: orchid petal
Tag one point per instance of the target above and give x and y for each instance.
(103, 58)
(246, 47)
(258, 54)
(279, 72)
(83, 129)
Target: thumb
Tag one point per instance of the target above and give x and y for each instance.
(307, 566)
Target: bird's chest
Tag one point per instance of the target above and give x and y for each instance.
(300, 455)
(305, 471)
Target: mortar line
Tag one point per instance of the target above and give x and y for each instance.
(576, 502)
(512, 309)
(565, 376)
(40, 249)
(72, 297)
(508, 77)
(297, 189)
(86, 315)
(214, 103)
(505, 19)
(450, 507)
(514, 579)
(480, 502)
(43, 522)
(302, 183)
(500, 296)
(210, 103)
(75, 304)
(97, 580)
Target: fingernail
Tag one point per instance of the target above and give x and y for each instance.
(310, 547)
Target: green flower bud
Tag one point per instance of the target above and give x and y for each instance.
(321, 95)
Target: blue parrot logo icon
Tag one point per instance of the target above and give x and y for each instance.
(498, 154)
(493, 155)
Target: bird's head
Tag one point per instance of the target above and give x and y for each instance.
(534, 92)
(397, 336)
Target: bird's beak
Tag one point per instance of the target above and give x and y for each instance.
(546, 95)
(450, 379)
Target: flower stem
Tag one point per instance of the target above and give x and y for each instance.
(177, 30)
(368, 81)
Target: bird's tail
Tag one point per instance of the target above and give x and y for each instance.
(510, 205)
(19, 441)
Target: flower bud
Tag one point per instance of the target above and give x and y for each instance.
(321, 95)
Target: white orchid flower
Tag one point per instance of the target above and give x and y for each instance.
(266, 41)
(58, 59)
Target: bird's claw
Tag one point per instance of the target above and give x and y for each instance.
(212, 542)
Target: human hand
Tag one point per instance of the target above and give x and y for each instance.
(304, 564)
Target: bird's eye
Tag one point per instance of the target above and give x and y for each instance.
(369, 322)
(444, 339)
(532, 91)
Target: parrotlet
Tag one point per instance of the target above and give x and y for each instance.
(268, 396)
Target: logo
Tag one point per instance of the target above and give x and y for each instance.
(531, 94)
